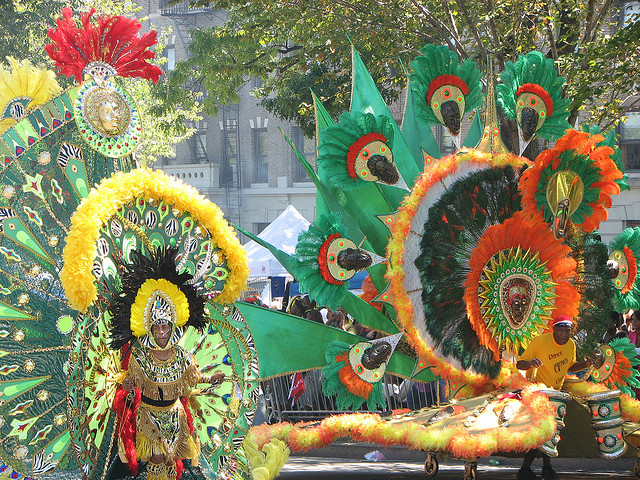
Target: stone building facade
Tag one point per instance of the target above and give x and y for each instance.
(242, 163)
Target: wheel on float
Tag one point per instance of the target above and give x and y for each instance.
(431, 465)
(636, 469)
(470, 470)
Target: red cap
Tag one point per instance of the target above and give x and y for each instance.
(562, 320)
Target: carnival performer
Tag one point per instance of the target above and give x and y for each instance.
(154, 418)
(547, 359)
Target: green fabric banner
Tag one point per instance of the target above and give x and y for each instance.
(287, 344)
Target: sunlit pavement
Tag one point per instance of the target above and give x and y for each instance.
(316, 468)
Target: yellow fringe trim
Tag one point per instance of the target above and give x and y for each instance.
(178, 388)
(149, 440)
(137, 321)
(104, 201)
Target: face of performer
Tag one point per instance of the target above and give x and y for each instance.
(562, 333)
(161, 333)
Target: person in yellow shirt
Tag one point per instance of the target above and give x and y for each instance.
(547, 360)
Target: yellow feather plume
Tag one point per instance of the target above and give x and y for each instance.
(265, 464)
(23, 79)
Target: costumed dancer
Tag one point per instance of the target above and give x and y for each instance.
(154, 307)
(548, 358)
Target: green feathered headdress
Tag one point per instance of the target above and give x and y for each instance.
(357, 150)
(618, 368)
(530, 91)
(625, 251)
(352, 384)
(325, 260)
(444, 90)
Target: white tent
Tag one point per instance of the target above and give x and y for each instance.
(281, 233)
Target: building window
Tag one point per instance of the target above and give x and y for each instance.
(445, 141)
(170, 52)
(307, 147)
(258, 227)
(198, 142)
(260, 152)
(230, 159)
(629, 13)
(630, 141)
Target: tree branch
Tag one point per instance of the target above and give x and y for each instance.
(594, 20)
(496, 38)
(440, 27)
(472, 25)
(453, 27)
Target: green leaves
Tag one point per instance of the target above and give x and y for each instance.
(296, 45)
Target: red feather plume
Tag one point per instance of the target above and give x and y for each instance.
(112, 40)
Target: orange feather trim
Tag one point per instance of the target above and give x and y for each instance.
(632, 263)
(515, 232)
(350, 380)
(621, 371)
(456, 439)
(583, 144)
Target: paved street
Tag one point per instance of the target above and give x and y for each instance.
(316, 468)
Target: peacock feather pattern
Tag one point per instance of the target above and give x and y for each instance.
(47, 171)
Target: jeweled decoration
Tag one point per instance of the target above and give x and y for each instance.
(516, 298)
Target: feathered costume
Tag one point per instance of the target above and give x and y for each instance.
(80, 296)
(484, 252)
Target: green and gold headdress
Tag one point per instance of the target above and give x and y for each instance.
(359, 149)
(530, 91)
(444, 89)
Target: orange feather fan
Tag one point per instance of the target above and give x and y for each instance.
(597, 194)
(535, 237)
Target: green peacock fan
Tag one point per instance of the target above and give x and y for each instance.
(47, 170)
(140, 213)
(58, 370)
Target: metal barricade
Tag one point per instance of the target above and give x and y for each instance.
(313, 405)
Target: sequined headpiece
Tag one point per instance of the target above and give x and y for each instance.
(154, 293)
